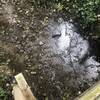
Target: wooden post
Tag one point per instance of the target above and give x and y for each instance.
(22, 89)
(91, 94)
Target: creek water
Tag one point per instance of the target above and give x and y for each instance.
(73, 50)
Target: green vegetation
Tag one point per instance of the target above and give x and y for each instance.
(84, 11)
(3, 92)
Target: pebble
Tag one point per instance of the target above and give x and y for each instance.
(41, 43)
(8, 60)
(79, 92)
(27, 12)
(18, 21)
(26, 70)
(7, 84)
(33, 72)
(14, 81)
(23, 35)
(41, 77)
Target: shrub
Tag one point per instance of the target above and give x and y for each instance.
(84, 10)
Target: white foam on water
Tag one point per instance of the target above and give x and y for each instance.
(71, 41)
(64, 40)
(91, 68)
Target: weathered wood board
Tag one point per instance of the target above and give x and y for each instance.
(91, 94)
(17, 93)
(22, 89)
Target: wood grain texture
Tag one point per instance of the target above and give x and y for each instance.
(24, 88)
(92, 93)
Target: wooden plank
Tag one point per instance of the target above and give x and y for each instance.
(24, 87)
(17, 93)
(91, 94)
